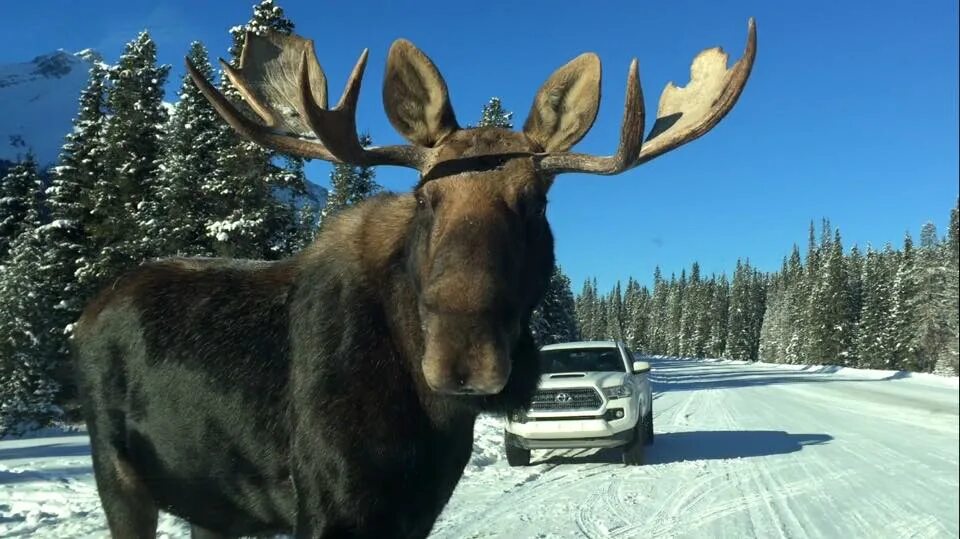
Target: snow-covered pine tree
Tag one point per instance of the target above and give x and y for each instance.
(71, 194)
(659, 313)
(771, 332)
(585, 309)
(758, 304)
(350, 184)
(949, 362)
(20, 199)
(874, 342)
(555, 319)
(796, 292)
(27, 389)
(131, 148)
(691, 311)
(738, 329)
(675, 312)
(931, 327)
(615, 314)
(601, 312)
(719, 312)
(256, 191)
(181, 204)
(495, 115)
(902, 322)
(854, 262)
(639, 318)
(830, 313)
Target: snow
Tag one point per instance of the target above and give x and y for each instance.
(741, 450)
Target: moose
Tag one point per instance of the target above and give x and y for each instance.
(334, 393)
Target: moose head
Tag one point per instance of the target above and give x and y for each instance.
(479, 250)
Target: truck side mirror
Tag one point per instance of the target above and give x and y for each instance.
(640, 367)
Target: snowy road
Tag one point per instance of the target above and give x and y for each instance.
(741, 451)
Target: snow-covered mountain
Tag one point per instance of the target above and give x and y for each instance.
(38, 100)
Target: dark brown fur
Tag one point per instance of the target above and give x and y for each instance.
(254, 397)
(333, 394)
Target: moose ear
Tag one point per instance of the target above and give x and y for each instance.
(415, 96)
(566, 105)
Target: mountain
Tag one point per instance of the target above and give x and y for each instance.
(38, 100)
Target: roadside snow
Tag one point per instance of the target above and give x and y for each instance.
(755, 450)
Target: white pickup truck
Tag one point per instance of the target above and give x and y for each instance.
(591, 394)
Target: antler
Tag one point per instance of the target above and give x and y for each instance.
(281, 80)
(685, 113)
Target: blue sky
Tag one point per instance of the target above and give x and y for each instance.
(851, 112)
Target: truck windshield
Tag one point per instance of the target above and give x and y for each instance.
(581, 360)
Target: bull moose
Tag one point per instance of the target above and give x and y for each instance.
(334, 393)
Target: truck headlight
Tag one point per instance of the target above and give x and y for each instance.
(618, 392)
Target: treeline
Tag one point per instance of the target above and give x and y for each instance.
(135, 180)
(138, 180)
(884, 309)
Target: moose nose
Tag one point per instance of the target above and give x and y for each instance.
(482, 369)
(458, 385)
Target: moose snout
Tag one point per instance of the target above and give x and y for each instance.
(461, 359)
(483, 375)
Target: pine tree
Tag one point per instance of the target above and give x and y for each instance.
(949, 361)
(739, 323)
(495, 115)
(831, 317)
(71, 193)
(555, 319)
(180, 204)
(600, 314)
(255, 191)
(131, 141)
(20, 196)
(615, 315)
(874, 340)
(902, 321)
(659, 314)
(639, 308)
(27, 389)
(585, 309)
(771, 333)
(719, 312)
(690, 311)
(932, 322)
(675, 313)
(349, 184)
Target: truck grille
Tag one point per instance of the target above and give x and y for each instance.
(566, 400)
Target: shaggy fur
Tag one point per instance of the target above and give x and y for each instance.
(259, 398)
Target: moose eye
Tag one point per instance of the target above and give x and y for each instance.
(531, 207)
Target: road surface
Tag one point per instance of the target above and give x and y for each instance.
(740, 451)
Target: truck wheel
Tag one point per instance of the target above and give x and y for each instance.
(648, 426)
(633, 452)
(517, 456)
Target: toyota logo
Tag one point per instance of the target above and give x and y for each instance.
(563, 398)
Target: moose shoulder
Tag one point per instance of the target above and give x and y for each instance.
(334, 393)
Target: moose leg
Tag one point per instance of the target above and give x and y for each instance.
(129, 507)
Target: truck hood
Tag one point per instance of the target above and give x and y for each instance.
(582, 379)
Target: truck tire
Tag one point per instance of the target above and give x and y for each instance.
(648, 426)
(517, 456)
(634, 452)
